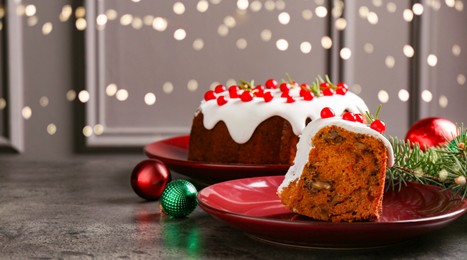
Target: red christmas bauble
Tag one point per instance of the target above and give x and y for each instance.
(149, 178)
(432, 131)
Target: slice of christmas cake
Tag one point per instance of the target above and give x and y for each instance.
(339, 171)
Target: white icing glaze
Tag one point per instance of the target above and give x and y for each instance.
(242, 118)
(305, 145)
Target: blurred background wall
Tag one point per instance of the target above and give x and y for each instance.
(112, 76)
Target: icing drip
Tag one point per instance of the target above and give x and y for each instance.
(305, 144)
(242, 118)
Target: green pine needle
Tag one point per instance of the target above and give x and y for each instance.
(444, 166)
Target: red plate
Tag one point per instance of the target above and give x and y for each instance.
(252, 206)
(174, 153)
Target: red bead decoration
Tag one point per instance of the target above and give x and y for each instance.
(149, 178)
(432, 131)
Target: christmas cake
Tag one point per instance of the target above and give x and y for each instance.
(260, 124)
(339, 171)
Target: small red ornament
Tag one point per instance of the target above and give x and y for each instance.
(432, 131)
(149, 178)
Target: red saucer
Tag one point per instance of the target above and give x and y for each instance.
(252, 206)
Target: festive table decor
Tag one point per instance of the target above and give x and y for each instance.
(444, 165)
(431, 131)
(179, 198)
(149, 178)
(440, 163)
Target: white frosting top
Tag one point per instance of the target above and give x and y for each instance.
(305, 144)
(242, 118)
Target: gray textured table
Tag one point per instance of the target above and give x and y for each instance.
(85, 208)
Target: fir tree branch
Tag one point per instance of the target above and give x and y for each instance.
(444, 166)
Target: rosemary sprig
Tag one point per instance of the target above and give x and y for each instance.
(245, 85)
(372, 118)
(289, 78)
(444, 166)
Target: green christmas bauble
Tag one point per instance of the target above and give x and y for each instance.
(179, 198)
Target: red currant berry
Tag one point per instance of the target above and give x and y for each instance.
(341, 91)
(328, 92)
(258, 91)
(221, 101)
(359, 118)
(285, 94)
(246, 96)
(259, 87)
(267, 96)
(219, 89)
(290, 99)
(305, 86)
(324, 85)
(378, 126)
(307, 96)
(293, 83)
(233, 91)
(284, 87)
(209, 95)
(270, 83)
(349, 116)
(342, 85)
(327, 112)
